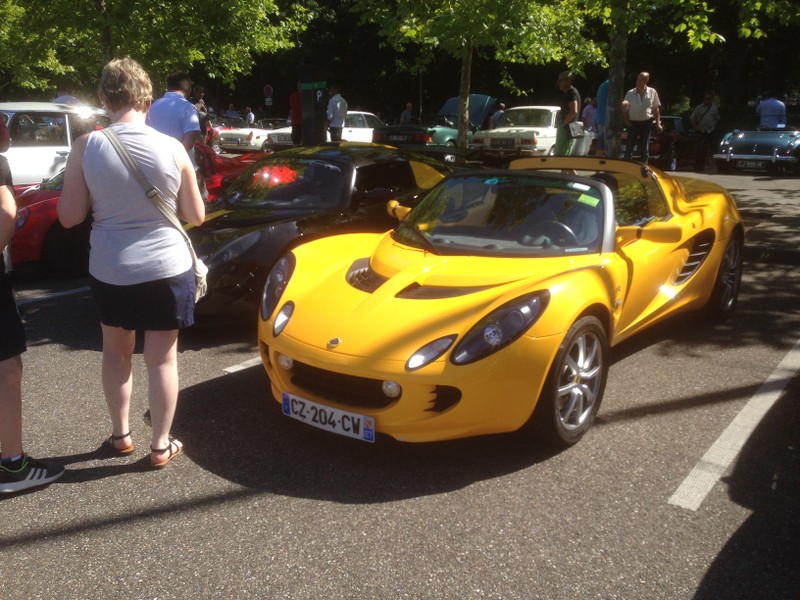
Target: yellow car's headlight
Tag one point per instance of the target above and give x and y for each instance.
(429, 352)
(500, 327)
(277, 280)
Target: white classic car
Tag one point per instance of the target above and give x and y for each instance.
(524, 131)
(249, 139)
(358, 127)
(42, 134)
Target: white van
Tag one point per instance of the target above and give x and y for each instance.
(42, 134)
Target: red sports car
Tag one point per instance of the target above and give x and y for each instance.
(40, 241)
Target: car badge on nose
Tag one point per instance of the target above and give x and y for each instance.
(334, 343)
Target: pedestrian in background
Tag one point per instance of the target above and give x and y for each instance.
(18, 471)
(296, 115)
(589, 115)
(5, 139)
(337, 111)
(569, 106)
(498, 117)
(641, 111)
(141, 270)
(771, 111)
(600, 117)
(175, 116)
(407, 115)
(704, 119)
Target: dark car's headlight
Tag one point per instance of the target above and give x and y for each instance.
(277, 280)
(500, 327)
(233, 250)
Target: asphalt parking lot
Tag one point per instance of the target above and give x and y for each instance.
(263, 507)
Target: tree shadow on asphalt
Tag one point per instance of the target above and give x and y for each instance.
(760, 559)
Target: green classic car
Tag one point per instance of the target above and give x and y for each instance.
(771, 149)
(440, 129)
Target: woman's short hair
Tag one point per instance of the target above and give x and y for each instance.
(125, 83)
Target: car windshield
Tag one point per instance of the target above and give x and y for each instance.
(527, 117)
(300, 183)
(509, 214)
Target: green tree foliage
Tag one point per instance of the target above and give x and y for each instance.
(513, 31)
(44, 43)
(692, 20)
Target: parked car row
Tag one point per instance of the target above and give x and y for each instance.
(358, 127)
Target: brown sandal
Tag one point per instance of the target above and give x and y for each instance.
(111, 445)
(172, 450)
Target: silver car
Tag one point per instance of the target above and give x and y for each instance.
(42, 134)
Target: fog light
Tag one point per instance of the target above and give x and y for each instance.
(392, 389)
(286, 362)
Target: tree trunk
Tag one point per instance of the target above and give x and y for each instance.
(105, 31)
(618, 48)
(463, 112)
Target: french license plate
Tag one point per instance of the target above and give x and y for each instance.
(750, 164)
(330, 419)
(397, 138)
(284, 138)
(502, 142)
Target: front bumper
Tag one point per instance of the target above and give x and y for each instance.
(441, 401)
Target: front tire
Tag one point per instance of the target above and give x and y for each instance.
(574, 387)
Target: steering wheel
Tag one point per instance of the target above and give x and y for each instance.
(547, 233)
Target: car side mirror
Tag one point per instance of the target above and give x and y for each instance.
(659, 232)
(397, 210)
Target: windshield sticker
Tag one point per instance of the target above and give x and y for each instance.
(492, 181)
(588, 200)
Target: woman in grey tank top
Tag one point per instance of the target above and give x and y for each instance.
(141, 270)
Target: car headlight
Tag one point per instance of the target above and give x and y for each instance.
(277, 280)
(500, 327)
(282, 318)
(233, 250)
(429, 352)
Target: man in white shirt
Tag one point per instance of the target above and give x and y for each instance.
(337, 111)
(704, 119)
(641, 110)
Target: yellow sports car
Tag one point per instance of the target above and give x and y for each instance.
(494, 303)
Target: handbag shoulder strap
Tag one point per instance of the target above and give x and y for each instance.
(150, 190)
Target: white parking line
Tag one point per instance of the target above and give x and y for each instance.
(32, 299)
(243, 365)
(697, 485)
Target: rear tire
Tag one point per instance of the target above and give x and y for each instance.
(574, 387)
(726, 286)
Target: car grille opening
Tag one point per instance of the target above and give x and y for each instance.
(699, 248)
(350, 390)
(341, 389)
(445, 396)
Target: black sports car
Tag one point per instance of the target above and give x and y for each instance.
(295, 196)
